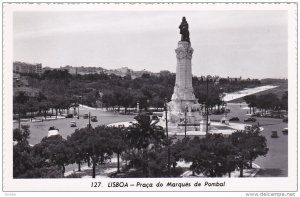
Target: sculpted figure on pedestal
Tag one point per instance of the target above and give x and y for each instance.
(184, 30)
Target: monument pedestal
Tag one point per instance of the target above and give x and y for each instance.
(184, 105)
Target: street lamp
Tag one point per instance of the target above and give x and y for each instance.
(90, 120)
(208, 78)
(206, 104)
(19, 118)
(225, 109)
(166, 111)
(147, 104)
(186, 109)
(138, 107)
(78, 104)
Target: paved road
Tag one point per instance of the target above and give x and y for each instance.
(40, 129)
(276, 162)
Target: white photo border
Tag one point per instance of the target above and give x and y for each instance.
(289, 183)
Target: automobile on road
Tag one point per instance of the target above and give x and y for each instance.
(234, 119)
(69, 116)
(250, 120)
(285, 131)
(94, 119)
(73, 124)
(274, 134)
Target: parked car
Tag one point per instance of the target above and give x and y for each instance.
(285, 131)
(69, 116)
(73, 124)
(234, 119)
(274, 134)
(267, 115)
(85, 116)
(276, 116)
(94, 119)
(250, 120)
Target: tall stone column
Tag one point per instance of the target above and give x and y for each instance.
(183, 89)
(184, 107)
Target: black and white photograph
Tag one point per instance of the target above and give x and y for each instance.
(150, 97)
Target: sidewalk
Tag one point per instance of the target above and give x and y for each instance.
(236, 174)
(103, 171)
(40, 119)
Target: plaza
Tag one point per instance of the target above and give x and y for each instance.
(274, 164)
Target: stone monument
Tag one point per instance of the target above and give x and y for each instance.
(184, 109)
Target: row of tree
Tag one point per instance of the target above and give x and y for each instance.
(148, 90)
(266, 102)
(144, 146)
(40, 105)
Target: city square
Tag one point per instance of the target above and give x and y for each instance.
(268, 168)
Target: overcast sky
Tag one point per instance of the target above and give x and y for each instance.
(226, 43)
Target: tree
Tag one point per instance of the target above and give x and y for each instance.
(98, 145)
(43, 172)
(65, 104)
(77, 142)
(118, 142)
(32, 106)
(256, 145)
(193, 152)
(22, 136)
(284, 101)
(239, 139)
(126, 100)
(143, 137)
(251, 100)
(177, 150)
(212, 156)
(25, 163)
(110, 100)
(249, 145)
(144, 132)
(20, 109)
(54, 103)
(21, 98)
(56, 74)
(52, 151)
(158, 102)
(22, 160)
(268, 101)
(157, 162)
(44, 106)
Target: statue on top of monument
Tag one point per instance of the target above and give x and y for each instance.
(184, 30)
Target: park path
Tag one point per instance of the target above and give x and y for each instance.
(240, 94)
